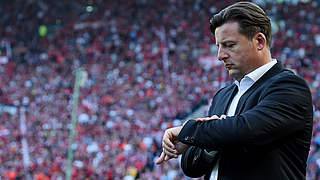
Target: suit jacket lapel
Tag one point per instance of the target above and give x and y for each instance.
(228, 99)
(277, 68)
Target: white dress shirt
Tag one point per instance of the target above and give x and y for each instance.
(246, 82)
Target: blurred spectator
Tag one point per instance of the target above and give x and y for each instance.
(143, 60)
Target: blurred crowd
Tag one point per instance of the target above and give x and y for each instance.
(149, 64)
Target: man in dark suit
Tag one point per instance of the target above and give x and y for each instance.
(259, 127)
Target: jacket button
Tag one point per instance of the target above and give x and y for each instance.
(192, 139)
(196, 157)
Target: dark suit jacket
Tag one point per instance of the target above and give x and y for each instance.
(267, 138)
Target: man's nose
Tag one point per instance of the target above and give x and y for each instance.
(222, 54)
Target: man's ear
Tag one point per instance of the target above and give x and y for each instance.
(260, 40)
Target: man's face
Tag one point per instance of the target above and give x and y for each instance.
(235, 50)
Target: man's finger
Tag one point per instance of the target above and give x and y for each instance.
(169, 149)
(214, 117)
(166, 158)
(202, 119)
(223, 117)
(170, 153)
(167, 139)
(161, 158)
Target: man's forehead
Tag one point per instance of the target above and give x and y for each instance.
(226, 32)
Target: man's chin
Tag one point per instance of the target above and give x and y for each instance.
(234, 74)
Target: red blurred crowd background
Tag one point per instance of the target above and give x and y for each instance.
(150, 64)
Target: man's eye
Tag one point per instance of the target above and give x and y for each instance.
(229, 45)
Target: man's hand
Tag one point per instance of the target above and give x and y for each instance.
(170, 145)
(214, 117)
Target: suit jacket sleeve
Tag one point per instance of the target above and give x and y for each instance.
(282, 110)
(196, 162)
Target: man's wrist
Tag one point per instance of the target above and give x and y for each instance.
(185, 122)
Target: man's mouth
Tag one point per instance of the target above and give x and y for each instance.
(228, 66)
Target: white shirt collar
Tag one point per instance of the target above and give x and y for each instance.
(259, 72)
(256, 74)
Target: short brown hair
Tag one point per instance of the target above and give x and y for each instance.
(251, 18)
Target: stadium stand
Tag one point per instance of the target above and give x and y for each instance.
(150, 64)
